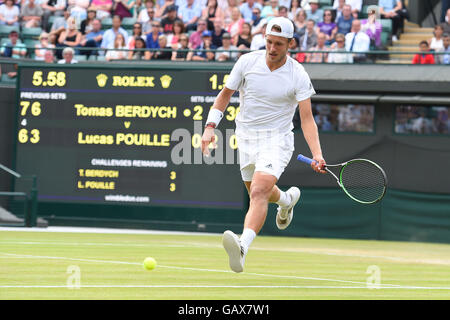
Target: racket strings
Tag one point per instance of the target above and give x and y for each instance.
(363, 181)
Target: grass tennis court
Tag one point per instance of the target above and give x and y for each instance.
(34, 265)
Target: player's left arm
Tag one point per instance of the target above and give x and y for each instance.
(311, 134)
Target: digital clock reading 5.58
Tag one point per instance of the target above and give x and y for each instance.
(50, 79)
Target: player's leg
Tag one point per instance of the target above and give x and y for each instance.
(260, 190)
(276, 196)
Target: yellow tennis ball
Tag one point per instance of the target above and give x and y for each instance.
(149, 263)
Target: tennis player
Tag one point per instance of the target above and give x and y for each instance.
(271, 85)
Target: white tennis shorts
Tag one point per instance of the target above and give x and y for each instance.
(269, 154)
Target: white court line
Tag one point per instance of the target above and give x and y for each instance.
(187, 268)
(217, 286)
(203, 245)
(215, 270)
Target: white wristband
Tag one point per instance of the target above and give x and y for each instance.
(214, 116)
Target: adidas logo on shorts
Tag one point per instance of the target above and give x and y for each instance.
(269, 166)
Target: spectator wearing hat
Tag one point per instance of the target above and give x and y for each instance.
(190, 12)
(226, 45)
(218, 33)
(168, 22)
(13, 48)
(425, 57)
(195, 39)
(31, 15)
(314, 12)
(9, 13)
(68, 54)
(202, 53)
(54, 8)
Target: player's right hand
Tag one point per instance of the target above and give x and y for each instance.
(207, 138)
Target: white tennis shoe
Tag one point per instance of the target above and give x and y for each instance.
(233, 247)
(285, 214)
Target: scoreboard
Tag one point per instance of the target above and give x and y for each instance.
(125, 136)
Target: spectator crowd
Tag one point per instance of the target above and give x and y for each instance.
(202, 30)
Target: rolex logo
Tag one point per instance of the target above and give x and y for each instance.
(165, 81)
(101, 80)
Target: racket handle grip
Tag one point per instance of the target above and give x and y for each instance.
(307, 160)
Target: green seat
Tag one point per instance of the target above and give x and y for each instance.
(325, 3)
(30, 43)
(363, 14)
(51, 19)
(385, 38)
(3, 41)
(106, 23)
(31, 33)
(5, 30)
(128, 22)
(386, 24)
(80, 57)
(6, 79)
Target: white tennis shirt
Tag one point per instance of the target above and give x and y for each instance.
(268, 99)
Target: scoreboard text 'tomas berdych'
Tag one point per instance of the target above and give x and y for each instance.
(125, 136)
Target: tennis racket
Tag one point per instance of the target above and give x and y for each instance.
(362, 180)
